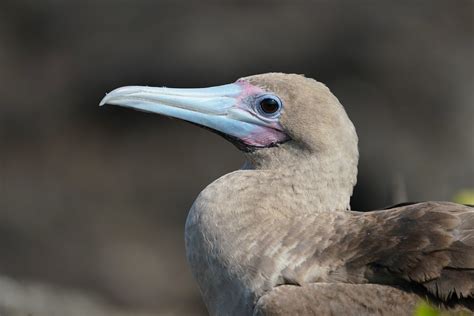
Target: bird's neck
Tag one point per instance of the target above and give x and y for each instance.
(322, 182)
(239, 211)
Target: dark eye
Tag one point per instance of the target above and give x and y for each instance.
(268, 105)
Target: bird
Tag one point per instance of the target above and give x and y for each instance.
(278, 236)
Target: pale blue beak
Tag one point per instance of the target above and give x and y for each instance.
(214, 107)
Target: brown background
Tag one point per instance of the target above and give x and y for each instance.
(96, 198)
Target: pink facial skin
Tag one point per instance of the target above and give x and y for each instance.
(261, 135)
(265, 137)
(248, 89)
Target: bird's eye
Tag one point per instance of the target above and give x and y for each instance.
(268, 105)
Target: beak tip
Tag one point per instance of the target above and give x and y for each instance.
(103, 101)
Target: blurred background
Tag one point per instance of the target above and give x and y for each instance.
(94, 200)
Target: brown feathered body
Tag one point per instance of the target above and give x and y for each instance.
(424, 250)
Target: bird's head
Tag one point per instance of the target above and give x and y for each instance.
(273, 117)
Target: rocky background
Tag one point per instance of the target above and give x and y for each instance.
(93, 200)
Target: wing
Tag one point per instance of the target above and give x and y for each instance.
(412, 250)
(428, 247)
(336, 299)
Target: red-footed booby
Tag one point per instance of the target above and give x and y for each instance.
(278, 236)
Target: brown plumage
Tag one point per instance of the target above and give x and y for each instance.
(278, 237)
(336, 299)
(424, 250)
(428, 244)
